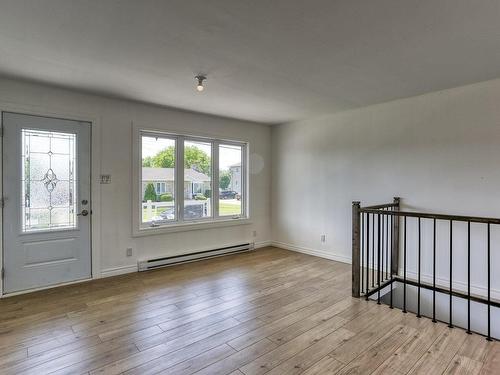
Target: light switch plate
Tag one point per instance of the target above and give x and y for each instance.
(105, 179)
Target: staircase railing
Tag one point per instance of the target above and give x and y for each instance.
(376, 249)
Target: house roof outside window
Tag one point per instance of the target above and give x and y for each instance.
(167, 174)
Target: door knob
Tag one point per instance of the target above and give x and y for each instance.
(83, 213)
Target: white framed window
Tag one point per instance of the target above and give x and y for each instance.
(231, 197)
(161, 188)
(158, 159)
(186, 181)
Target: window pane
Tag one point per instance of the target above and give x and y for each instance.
(230, 188)
(158, 169)
(48, 180)
(197, 180)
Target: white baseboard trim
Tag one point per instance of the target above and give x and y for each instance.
(315, 252)
(458, 286)
(115, 271)
(258, 245)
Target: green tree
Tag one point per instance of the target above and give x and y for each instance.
(164, 159)
(194, 158)
(224, 180)
(150, 193)
(147, 161)
(197, 159)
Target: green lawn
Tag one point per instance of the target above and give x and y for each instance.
(226, 208)
(229, 208)
(155, 212)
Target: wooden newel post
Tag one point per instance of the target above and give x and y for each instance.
(356, 248)
(395, 238)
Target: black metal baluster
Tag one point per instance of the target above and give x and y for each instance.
(367, 254)
(451, 275)
(468, 278)
(404, 268)
(434, 273)
(373, 251)
(381, 217)
(386, 246)
(489, 285)
(362, 247)
(392, 245)
(378, 259)
(419, 264)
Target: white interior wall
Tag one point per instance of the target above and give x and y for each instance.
(440, 152)
(115, 118)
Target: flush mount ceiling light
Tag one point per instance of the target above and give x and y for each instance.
(200, 79)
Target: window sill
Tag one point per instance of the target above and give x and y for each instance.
(172, 228)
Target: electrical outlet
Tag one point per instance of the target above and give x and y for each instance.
(129, 252)
(323, 238)
(254, 233)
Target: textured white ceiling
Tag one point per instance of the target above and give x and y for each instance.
(268, 61)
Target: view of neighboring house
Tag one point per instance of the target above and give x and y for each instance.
(235, 184)
(163, 181)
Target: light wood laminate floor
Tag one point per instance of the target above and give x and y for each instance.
(269, 311)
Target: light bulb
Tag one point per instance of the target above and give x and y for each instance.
(200, 79)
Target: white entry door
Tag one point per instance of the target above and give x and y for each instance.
(47, 207)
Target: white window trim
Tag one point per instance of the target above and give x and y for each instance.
(179, 225)
(188, 226)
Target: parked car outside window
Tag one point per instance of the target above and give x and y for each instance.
(228, 194)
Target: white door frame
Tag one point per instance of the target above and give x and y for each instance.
(95, 155)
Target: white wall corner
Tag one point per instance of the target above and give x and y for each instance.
(261, 244)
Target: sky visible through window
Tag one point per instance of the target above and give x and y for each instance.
(151, 146)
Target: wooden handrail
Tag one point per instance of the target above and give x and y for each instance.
(425, 215)
(379, 206)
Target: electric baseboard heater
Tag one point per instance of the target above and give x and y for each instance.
(150, 264)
